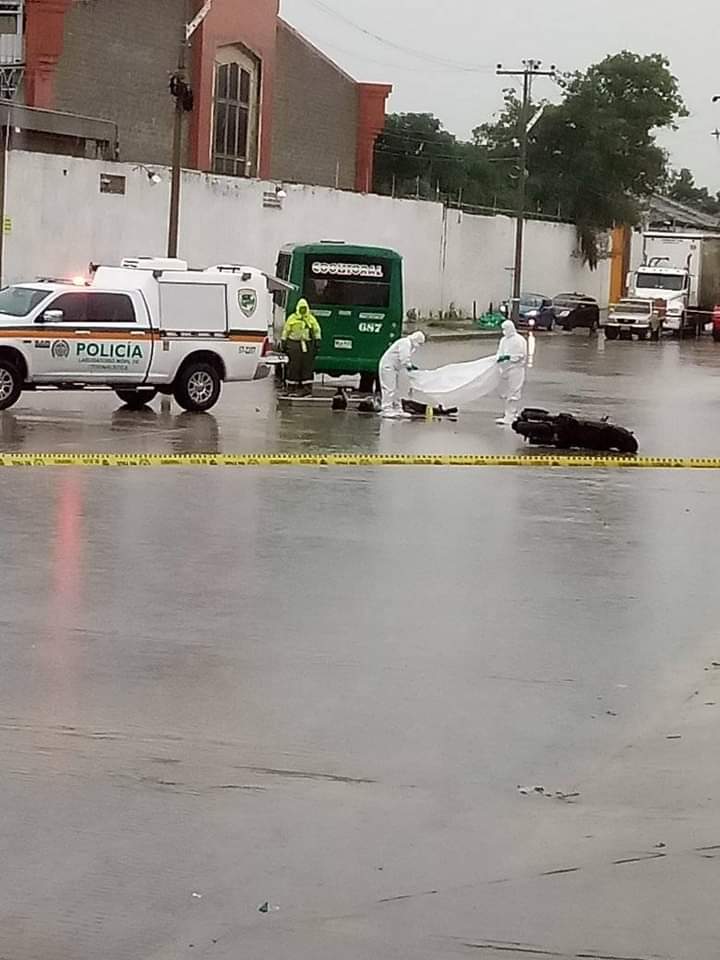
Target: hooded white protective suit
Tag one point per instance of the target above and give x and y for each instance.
(397, 358)
(512, 357)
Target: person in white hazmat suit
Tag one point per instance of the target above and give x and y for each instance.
(396, 359)
(512, 359)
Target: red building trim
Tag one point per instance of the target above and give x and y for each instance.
(44, 37)
(372, 98)
(251, 26)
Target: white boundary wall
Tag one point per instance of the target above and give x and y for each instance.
(60, 222)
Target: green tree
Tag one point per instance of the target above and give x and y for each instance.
(595, 154)
(682, 187)
(415, 155)
(593, 158)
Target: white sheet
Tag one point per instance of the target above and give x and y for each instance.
(459, 383)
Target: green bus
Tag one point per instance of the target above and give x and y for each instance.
(356, 292)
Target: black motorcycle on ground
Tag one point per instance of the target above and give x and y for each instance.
(566, 432)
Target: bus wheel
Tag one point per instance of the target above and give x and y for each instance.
(367, 382)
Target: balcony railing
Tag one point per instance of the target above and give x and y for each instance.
(12, 47)
(11, 78)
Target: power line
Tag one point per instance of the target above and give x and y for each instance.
(414, 138)
(409, 51)
(331, 46)
(396, 151)
(464, 144)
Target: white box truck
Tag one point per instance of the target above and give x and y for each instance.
(683, 270)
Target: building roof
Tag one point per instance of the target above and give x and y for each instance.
(316, 50)
(680, 214)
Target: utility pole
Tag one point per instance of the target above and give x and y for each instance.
(530, 70)
(181, 91)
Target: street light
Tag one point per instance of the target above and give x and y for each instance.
(152, 175)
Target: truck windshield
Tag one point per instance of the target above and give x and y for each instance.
(336, 281)
(20, 301)
(660, 281)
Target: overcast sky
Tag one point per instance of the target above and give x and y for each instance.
(482, 33)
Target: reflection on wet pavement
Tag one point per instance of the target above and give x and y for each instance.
(320, 689)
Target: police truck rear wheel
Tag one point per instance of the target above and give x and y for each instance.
(136, 399)
(197, 387)
(10, 384)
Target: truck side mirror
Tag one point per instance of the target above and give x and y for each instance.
(629, 281)
(53, 316)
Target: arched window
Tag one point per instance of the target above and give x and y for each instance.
(235, 113)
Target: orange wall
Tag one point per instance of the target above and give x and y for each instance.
(620, 262)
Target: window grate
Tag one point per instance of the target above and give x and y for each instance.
(231, 134)
(111, 183)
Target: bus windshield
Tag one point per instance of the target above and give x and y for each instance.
(333, 280)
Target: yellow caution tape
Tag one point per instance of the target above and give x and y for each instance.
(370, 460)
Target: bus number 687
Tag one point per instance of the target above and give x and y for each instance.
(371, 328)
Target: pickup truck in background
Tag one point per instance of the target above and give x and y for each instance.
(634, 317)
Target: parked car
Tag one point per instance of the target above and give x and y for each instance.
(536, 311)
(576, 310)
(632, 316)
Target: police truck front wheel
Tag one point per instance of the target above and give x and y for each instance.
(137, 399)
(197, 387)
(11, 384)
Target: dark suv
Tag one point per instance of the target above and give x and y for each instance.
(576, 310)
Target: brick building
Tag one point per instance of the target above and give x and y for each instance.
(266, 102)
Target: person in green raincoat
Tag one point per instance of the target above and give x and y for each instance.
(301, 338)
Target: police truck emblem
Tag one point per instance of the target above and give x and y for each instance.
(60, 350)
(248, 302)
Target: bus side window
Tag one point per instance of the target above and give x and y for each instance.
(282, 268)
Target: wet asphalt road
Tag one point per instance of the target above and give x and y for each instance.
(322, 688)
(668, 393)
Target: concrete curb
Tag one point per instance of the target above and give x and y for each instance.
(460, 336)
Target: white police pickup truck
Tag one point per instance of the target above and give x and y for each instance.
(149, 326)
